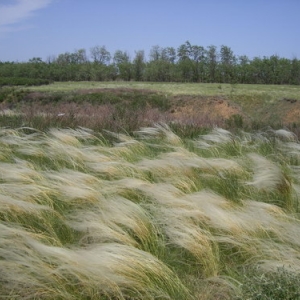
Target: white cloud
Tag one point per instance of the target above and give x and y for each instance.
(12, 14)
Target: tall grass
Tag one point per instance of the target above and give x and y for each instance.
(150, 216)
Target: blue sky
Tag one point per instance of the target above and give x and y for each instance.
(42, 28)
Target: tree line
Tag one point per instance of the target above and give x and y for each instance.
(187, 63)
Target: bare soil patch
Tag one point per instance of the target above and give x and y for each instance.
(290, 110)
(213, 107)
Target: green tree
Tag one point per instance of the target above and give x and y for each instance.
(36, 68)
(295, 71)
(227, 64)
(139, 65)
(185, 63)
(100, 55)
(79, 56)
(198, 56)
(168, 54)
(155, 53)
(256, 71)
(243, 69)
(281, 69)
(160, 65)
(123, 65)
(36, 60)
(64, 58)
(212, 63)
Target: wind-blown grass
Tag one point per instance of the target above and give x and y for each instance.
(149, 217)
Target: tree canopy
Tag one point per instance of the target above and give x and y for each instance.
(187, 63)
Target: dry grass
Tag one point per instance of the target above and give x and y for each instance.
(150, 217)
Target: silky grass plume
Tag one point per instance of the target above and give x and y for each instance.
(149, 216)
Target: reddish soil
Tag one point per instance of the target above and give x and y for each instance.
(213, 107)
(290, 110)
(285, 111)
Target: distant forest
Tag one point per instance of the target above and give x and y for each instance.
(187, 63)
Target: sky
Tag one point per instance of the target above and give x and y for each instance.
(47, 28)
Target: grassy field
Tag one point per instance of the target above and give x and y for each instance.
(258, 102)
(118, 191)
(150, 217)
(273, 92)
(127, 106)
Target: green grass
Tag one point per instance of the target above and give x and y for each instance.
(149, 216)
(268, 92)
(278, 284)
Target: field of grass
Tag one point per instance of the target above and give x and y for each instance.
(272, 92)
(127, 106)
(149, 216)
(127, 190)
(268, 104)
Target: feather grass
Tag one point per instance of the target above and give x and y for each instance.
(145, 218)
